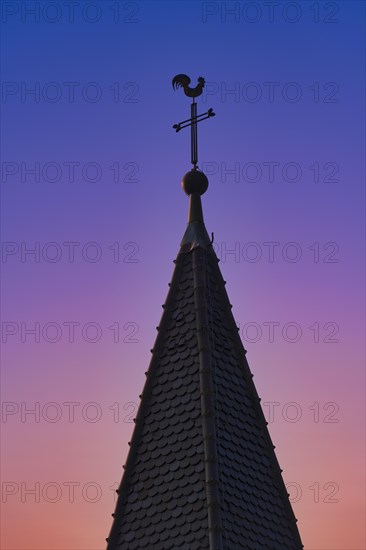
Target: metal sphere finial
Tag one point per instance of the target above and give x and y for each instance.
(194, 182)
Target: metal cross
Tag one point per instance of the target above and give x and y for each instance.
(183, 81)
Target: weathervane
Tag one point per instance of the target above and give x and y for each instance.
(183, 81)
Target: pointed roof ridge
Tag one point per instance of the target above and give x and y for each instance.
(207, 400)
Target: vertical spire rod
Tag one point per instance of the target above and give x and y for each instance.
(194, 142)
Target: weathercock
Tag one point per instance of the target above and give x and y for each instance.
(183, 81)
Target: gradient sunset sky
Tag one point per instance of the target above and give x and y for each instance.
(93, 214)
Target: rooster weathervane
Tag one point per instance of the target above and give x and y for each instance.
(183, 81)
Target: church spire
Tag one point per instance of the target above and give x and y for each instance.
(201, 472)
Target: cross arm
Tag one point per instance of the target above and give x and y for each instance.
(193, 120)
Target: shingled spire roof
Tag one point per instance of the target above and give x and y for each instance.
(201, 472)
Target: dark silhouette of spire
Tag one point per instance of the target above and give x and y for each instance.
(201, 473)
